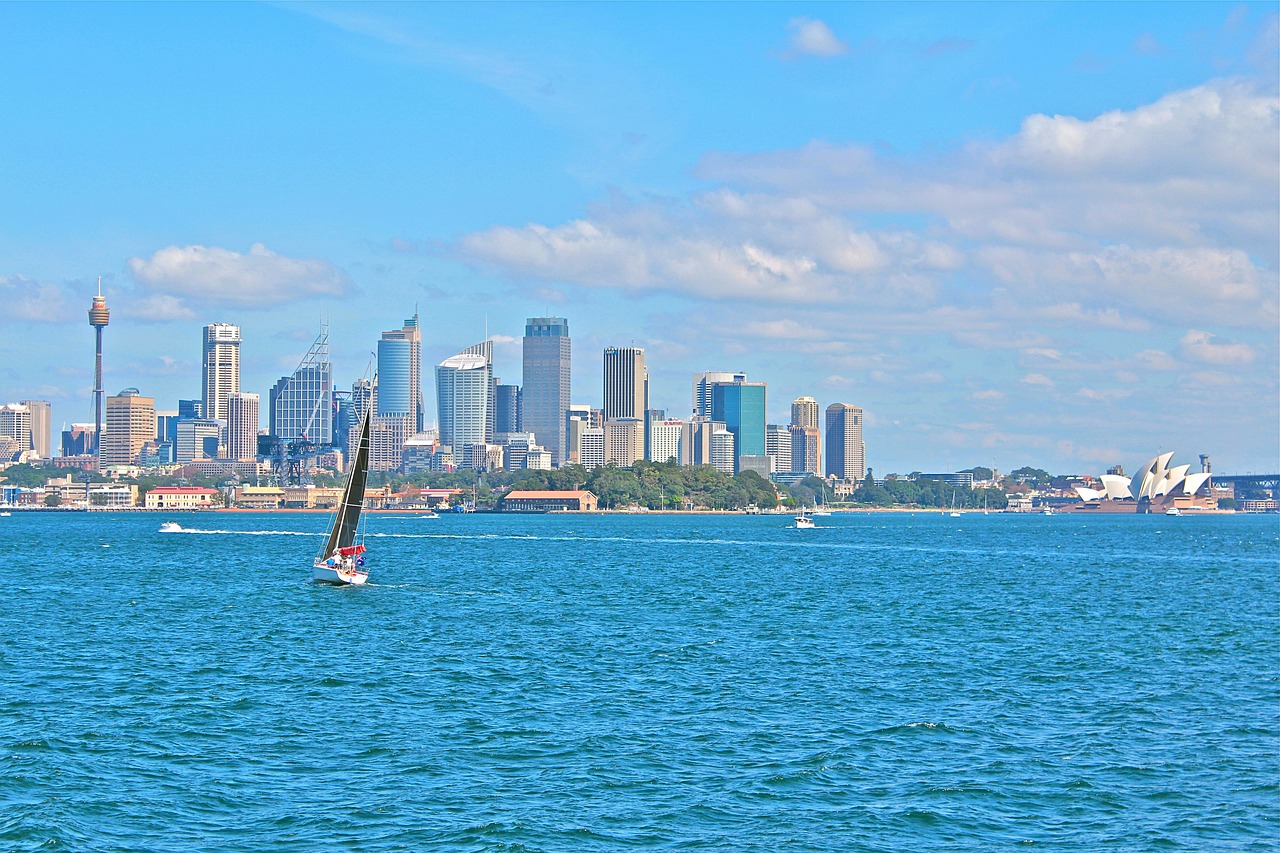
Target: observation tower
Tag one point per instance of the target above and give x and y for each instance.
(99, 316)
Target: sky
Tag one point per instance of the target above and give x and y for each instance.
(1014, 233)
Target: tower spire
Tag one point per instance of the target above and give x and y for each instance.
(99, 316)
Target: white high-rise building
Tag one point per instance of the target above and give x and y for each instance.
(626, 384)
(462, 399)
(242, 426)
(723, 457)
(777, 446)
(221, 364)
(666, 440)
(15, 422)
(591, 448)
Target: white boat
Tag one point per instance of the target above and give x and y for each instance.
(430, 515)
(341, 560)
(171, 527)
(6, 514)
(803, 521)
(1173, 510)
(1047, 511)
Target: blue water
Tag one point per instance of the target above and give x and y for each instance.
(580, 683)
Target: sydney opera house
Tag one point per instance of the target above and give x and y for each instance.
(1155, 488)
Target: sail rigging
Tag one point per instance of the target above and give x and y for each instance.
(345, 525)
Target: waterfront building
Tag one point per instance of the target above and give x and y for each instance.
(623, 441)
(723, 457)
(197, 439)
(591, 450)
(462, 399)
(777, 446)
(181, 498)
(548, 352)
(509, 416)
(242, 426)
(130, 424)
(806, 443)
(846, 452)
(221, 365)
(549, 501)
(702, 383)
(741, 407)
(665, 440)
(626, 383)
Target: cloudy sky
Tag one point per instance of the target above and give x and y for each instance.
(1013, 233)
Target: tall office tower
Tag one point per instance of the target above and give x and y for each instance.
(15, 423)
(509, 417)
(665, 440)
(221, 368)
(846, 452)
(741, 406)
(99, 317)
(301, 405)
(190, 409)
(197, 439)
(804, 412)
(547, 362)
(41, 427)
(131, 423)
(485, 350)
(723, 457)
(462, 400)
(777, 445)
(400, 373)
(702, 383)
(626, 383)
(242, 426)
(695, 443)
(806, 443)
(623, 441)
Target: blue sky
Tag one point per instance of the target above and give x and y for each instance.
(1013, 233)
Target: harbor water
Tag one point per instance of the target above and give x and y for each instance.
(884, 682)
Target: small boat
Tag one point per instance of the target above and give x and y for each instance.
(803, 521)
(1173, 510)
(341, 560)
(5, 514)
(820, 509)
(171, 527)
(1047, 511)
(430, 515)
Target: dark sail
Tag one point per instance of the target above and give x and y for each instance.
(348, 518)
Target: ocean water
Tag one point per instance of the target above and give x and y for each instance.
(580, 683)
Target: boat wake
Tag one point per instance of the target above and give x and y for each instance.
(174, 527)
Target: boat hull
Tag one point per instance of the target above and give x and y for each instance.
(341, 577)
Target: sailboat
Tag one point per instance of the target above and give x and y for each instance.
(954, 512)
(341, 560)
(820, 508)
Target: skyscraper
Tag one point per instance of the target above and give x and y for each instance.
(509, 417)
(99, 317)
(741, 407)
(484, 349)
(846, 452)
(702, 383)
(777, 439)
(626, 383)
(242, 426)
(547, 376)
(806, 454)
(41, 427)
(400, 373)
(15, 423)
(131, 423)
(804, 412)
(301, 405)
(462, 400)
(221, 368)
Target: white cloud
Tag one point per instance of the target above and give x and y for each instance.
(1038, 380)
(1200, 346)
(258, 278)
(811, 37)
(989, 395)
(35, 301)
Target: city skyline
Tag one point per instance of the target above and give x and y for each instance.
(1013, 235)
